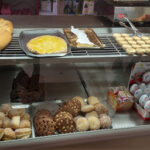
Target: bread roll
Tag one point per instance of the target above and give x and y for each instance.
(16, 112)
(25, 124)
(94, 123)
(1, 123)
(2, 116)
(92, 100)
(7, 25)
(5, 108)
(23, 133)
(1, 133)
(26, 116)
(87, 108)
(15, 122)
(9, 134)
(6, 122)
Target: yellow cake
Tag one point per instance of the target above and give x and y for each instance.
(47, 44)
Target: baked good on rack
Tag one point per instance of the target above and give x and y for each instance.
(23, 133)
(136, 38)
(116, 35)
(64, 122)
(100, 108)
(94, 123)
(92, 100)
(140, 51)
(87, 108)
(6, 29)
(26, 116)
(9, 134)
(130, 51)
(145, 38)
(1, 133)
(105, 121)
(72, 106)
(16, 112)
(125, 35)
(82, 124)
(93, 113)
(140, 42)
(47, 44)
(79, 99)
(1, 123)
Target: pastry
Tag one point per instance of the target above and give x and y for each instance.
(105, 121)
(44, 126)
(87, 108)
(26, 116)
(23, 133)
(16, 112)
(126, 46)
(145, 38)
(72, 106)
(120, 38)
(6, 29)
(82, 124)
(140, 51)
(147, 51)
(64, 122)
(116, 35)
(43, 112)
(122, 42)
(2, 116)
(25, 124)
(1, 123)
(136, 46)
(128, 38)
(130, 51)
(15, 122)
(132, 42)
(140, 42)
(1, 133)
(147, 41)
(9, 134)
(5, 108)
(125, 35)
(80, 99)
(6, 123)
(136, 38)
(100, 109)
(47, 44)
(94, 123)
(93, 113)
(92, 100)
(145, 46)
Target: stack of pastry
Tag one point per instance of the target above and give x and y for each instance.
(14, 123)
(94, 115)
(6, 29)
(133, 44)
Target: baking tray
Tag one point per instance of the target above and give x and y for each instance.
(99, 43)
(53, 106)
(28, 109)
(27, 35)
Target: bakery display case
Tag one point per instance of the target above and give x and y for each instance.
(64, 99)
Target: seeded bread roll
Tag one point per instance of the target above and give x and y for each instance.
(64, 122)
(80, 99)
(72, 106)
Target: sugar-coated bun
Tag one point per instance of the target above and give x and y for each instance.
(94, 123)
(87, 108)
(9, 134)
(100, 109)
(25, 124)
(1, 133)
(93, 113)
(82, 124)
(105, 121)
(5, 108)
(23, 133)
(15, 122)
(6, 123)
(80, 99)
(92, 100)
(2, 116)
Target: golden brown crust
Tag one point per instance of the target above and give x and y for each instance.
(6, 29)
(9, 134)
(23, 133)
(1, 133)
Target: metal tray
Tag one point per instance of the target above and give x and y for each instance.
(27, 107)
(88, 48)
(53, 106)
(27, 35)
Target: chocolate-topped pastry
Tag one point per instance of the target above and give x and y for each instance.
(64, 122)
(72, 106)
